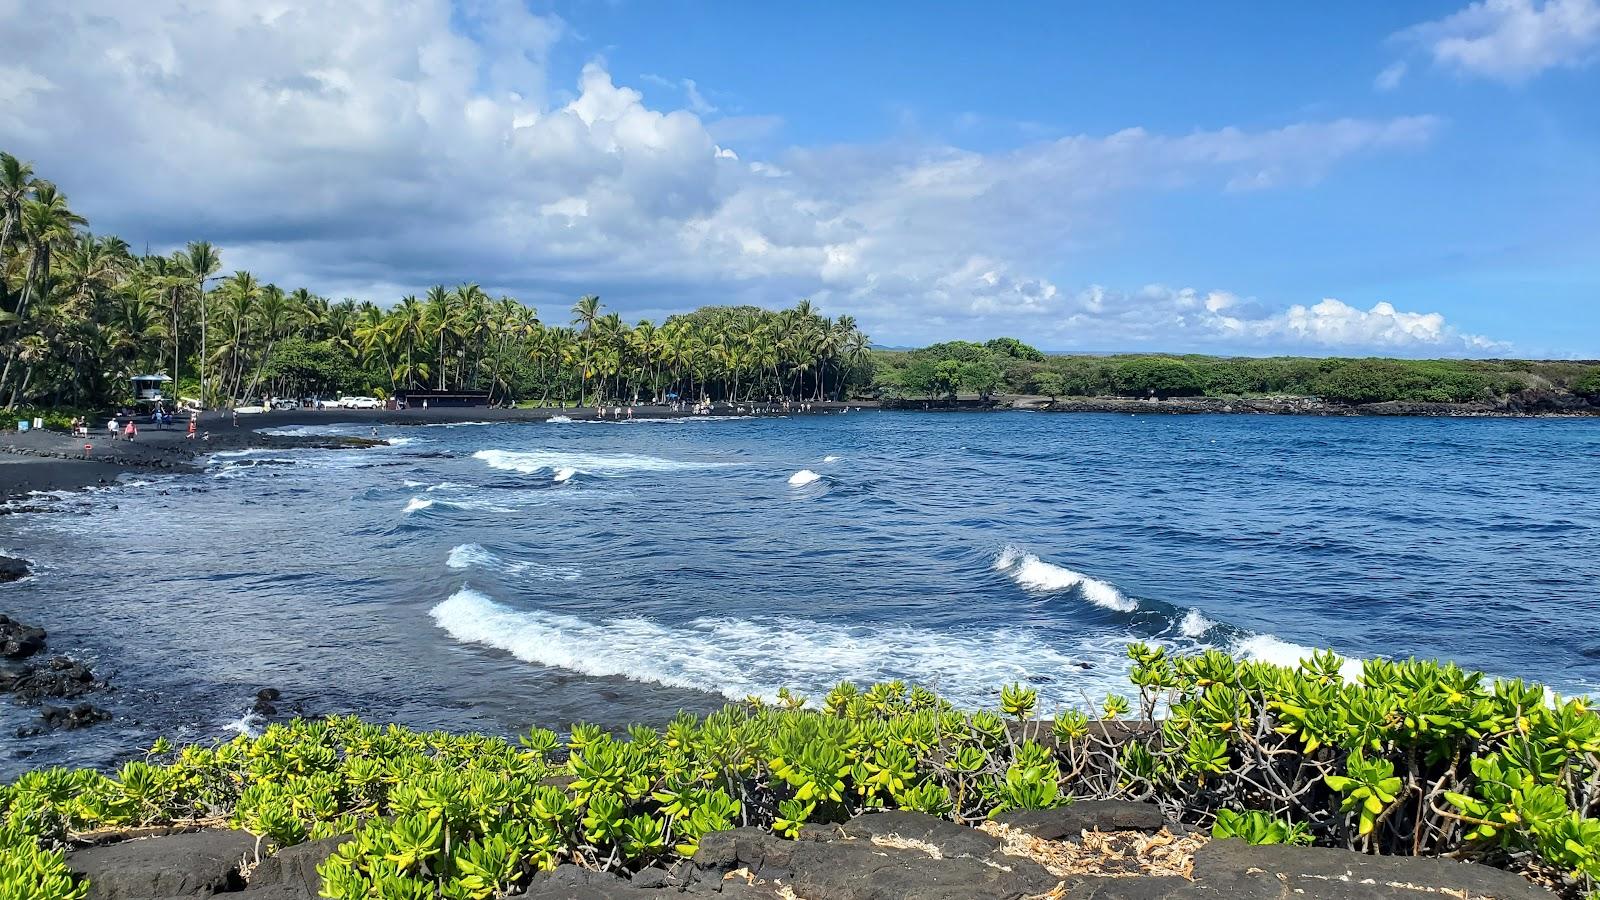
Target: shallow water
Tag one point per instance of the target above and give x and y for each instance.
(495, 576)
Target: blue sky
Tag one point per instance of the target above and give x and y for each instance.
(1418, 179)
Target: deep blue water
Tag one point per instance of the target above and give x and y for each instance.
(496, 576)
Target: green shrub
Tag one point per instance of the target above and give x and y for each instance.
(1411, 758)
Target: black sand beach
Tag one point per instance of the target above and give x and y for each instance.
(45, 460)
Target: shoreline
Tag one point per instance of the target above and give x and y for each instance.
(33, 463)
(44, 462)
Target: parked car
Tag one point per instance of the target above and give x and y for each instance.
(285, 403)
(360, 403)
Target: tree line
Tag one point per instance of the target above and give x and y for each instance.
(80, 314)
(1006, 365)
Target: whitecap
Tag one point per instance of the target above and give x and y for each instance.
(1275, 650)
(532, 462)
(563, 474)
(559, 420)
(1034, 574)
(738, 657)
(476, 556)
(1195, 624)
(417, 504)
(803, 477)
(830, 458)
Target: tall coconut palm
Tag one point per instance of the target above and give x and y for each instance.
(584, 314)
(16, 183)
(203, 262)
(441, 321)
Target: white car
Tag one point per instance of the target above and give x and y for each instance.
(359, 403)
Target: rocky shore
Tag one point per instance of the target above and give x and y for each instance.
(49, 685)
(1108, 850)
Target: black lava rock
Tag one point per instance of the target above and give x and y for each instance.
(12, 569)
(19, 641)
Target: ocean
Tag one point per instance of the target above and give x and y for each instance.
(491, 577)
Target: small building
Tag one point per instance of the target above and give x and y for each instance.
(148, 389)
(437, 399)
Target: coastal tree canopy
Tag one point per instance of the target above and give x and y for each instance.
(80, 313)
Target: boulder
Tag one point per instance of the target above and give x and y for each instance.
(61, 679)
(1234, 868)
(196, 864)
(948, 838)
(18, 641)
(876, 866)
(12, 569)
(1067, 822)
(291, 873)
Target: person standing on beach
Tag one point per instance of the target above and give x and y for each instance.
(111, 427)
(130, 431)
(192, 417)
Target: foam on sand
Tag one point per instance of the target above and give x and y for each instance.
(737, 657)
(533, 462)
(1034, 574)
(803, 477)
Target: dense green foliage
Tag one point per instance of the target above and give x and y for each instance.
(1023, 370)
(1412, 758)
(80, 314)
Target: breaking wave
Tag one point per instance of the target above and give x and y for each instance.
(803, 477)
(533, 462)
(1034, 574)
(476, 556)
(738, 657)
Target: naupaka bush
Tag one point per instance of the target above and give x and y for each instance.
(1411, 758)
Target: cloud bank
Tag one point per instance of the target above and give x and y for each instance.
(372, 148)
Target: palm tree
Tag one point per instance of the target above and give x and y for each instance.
(584, 313)
(46, 224)
(441, 321)
(16, 183)
(203, 261)
(410, 321)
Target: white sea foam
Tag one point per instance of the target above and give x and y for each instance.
(1275, 650)
(830, 458)
(417, 504)
(562, 474)
(248, 725)
(803, 477)
(475, 556)
(742, 657)
(532, 462)
(559, 420)
(1195, 624)
(454, 424)
(1034, 574)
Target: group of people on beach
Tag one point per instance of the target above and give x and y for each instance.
(129, 429)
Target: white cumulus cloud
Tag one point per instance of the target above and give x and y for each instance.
(375, 147)
(1513, 40)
